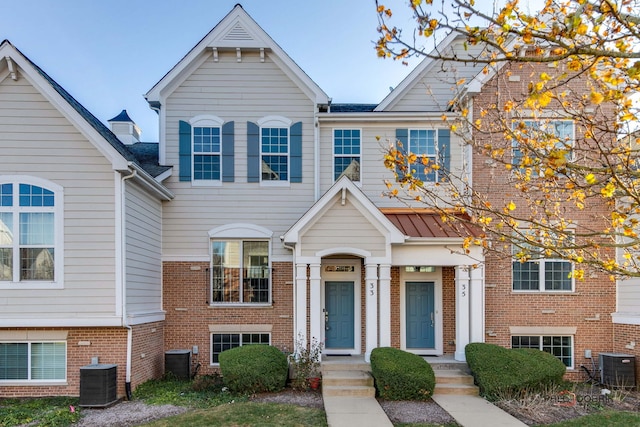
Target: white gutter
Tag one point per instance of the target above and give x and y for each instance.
(316, 156)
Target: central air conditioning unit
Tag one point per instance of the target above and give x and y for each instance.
(618, 370)
(98, 385)
(178, 363)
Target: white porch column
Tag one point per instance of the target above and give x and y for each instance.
(315, 303)
(301, 305)
(462, 310)
(476, 304)
(371, 300)
(385, 305)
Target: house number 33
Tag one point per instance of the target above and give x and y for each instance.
(371, 289)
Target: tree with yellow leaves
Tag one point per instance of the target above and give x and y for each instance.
(553, 129)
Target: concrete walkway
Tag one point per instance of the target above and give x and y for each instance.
(346, 411)
(474, 411)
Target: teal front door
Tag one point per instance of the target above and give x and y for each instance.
(420, 315)
(338, 315)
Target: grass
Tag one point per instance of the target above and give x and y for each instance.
(247, 414)
(42, 412)
(205, 392)
(605, 418)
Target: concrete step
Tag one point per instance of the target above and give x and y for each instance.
(347, 378)
(345, 366)
(456, 389)
(351, 391)
(450, 381)
(451, 376)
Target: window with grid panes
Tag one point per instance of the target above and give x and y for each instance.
(222, 342)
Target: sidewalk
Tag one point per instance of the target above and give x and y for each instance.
(345, 411)
(474, 411)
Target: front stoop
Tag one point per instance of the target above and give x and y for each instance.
(452, 381)
(342, 382)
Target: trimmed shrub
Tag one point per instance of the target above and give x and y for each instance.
(400, 375)
(254, 368)
(499, 371)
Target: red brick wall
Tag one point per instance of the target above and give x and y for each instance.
(448, 310)
(395, 307)
(626, 335)
(595, 295)
(186, 301)
(109, 344)
(147, 353)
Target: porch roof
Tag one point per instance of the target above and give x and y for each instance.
(427, 224)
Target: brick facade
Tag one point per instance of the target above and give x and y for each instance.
(588, 308)
(186, 301)
(626, 339)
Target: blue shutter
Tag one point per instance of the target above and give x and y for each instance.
(402, 144)
(253, 152)
(295, 152)
(228, 151)
(444, 152)
(184, 148)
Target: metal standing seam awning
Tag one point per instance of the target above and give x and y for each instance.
(430, 224)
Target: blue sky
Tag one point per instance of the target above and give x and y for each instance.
(107, 54)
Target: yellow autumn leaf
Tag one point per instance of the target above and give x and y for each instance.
(596, 97)
(608, 190)
(590, 178)
(511, 206)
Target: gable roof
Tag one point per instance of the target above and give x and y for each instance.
(429, 67)
(105, 140)
(237, 30)
(366, 206)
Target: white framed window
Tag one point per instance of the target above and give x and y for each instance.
(274, 153)
(423, 143)
(225, 341)
(346, 154)
(206, 148)
(560, 346)
(540, 273)
(274, 149)
(33, 361)
(30, 232)
(559, 132)
(240, 272)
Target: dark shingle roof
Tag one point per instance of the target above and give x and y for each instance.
(147, 155)
(353, 108)
(105, 132)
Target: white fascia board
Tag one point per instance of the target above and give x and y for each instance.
(117, 161)
(626, 318)
(427, 63)
(52, 322)
(386, 116)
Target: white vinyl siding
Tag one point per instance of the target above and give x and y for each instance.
(239, 92)
(343, 226)
(629, 296)
(373, 172)
(38, 141)
(143, 216)
(436, 87)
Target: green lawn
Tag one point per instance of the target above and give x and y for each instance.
(247, 414)
(43, 412)
(605, 418)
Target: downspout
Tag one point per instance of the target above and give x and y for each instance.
(295, 292)
(125, 323)
(316, 157)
